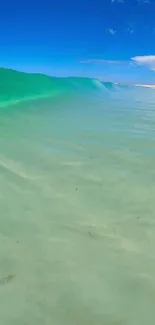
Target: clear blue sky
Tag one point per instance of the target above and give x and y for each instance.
(95, 38)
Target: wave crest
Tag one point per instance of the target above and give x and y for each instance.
(17, 86)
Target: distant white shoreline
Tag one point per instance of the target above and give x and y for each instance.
(146, 86)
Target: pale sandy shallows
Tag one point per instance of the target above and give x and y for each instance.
(77, 211)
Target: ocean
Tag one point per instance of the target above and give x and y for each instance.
(77, 202)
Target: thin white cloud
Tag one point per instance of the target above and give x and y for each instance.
(144, 1)
(130, 30)
(93, 61)
(112, 31)
(147, 60)
(117, 1)
(103, 62)
(98, 61)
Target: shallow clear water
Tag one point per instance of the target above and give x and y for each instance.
(77, 211)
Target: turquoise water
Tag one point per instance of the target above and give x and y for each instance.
(77, 207)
